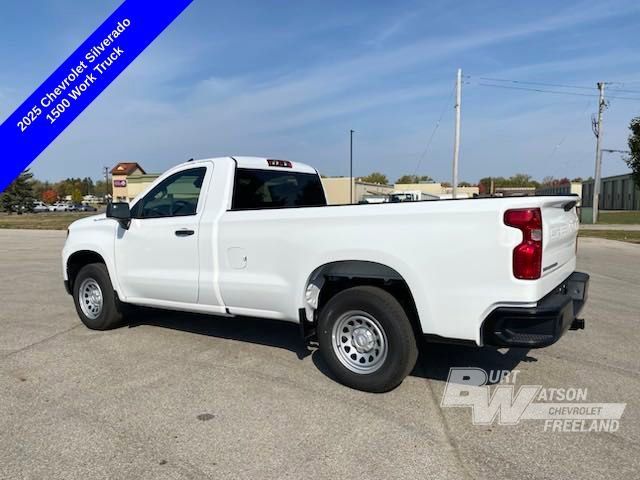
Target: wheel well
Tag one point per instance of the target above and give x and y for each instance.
(78, 260)
(336, 277)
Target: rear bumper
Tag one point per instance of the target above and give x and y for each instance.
(542, 325)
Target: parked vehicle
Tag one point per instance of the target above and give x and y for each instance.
(374, 199)
(411, 196)
(39, 207)
(59, 207)
(251, 236)
(82, 207)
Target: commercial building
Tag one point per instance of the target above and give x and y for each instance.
(569, 188)
(616, 193)
(120, 177)
(338, 190)
(435, 189)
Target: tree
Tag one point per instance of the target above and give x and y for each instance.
(414, 179)
(548, 180)
(577, 180)
(39, 187)
(633, 160)
(517, 180)
(18, 197)
(408, 179)
(49, 196)
(101, 188)
(464, 184)
(446, 184)
(376, 177)
(76, 196)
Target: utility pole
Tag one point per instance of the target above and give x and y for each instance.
(456, 145)
(350, 166)
(597, 130)
(106, 182)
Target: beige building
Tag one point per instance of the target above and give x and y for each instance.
(435, 189)
(338, 190)
(120, 175)
(137, 183)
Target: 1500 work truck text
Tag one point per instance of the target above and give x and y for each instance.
(250, 236)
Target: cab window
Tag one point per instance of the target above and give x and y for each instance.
(175, 196)
(255, 188)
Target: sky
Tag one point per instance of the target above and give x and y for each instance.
(290, 79)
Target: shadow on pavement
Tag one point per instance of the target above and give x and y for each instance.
(261, 331)
(434, 360)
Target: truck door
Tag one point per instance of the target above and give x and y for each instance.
(157, 257)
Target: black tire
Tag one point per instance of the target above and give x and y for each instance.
(111, 314)
(394, 325)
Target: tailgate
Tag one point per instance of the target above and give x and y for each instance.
(559, 233)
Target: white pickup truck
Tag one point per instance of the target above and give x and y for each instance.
(250, 236)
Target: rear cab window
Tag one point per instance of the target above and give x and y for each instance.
(258, 188)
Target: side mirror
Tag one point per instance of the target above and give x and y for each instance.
(120, 211)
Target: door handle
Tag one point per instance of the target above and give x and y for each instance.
(184, 232)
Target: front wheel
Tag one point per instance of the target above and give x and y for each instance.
(94, 298)
(366, 339)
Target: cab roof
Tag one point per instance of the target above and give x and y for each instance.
(261, 163)
(264, 163)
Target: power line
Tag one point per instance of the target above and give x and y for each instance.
(433, 132)
(556, 92)
(557, 85)
(555, 149)
(560, 85)
(538, 90)
(627, 91)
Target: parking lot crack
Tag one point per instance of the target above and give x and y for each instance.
(450, 440)
(40, 342)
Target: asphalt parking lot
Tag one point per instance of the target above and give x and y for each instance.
(186, 396)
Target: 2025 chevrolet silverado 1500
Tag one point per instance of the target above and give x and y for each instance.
(250, 236)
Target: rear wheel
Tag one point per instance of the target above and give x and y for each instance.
(366, 339)
(94, 298)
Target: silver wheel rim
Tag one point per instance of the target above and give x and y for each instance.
(90, 298)
(359, 342)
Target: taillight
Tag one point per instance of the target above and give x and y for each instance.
(527, 256)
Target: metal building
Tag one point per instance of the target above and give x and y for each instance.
(616, 193)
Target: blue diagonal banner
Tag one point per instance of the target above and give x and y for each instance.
(79, 80)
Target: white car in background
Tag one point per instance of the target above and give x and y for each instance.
(39, 207)
(59, 207)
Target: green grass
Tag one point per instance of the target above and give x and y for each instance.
(626, 218)
(621, 235)
(41, 221)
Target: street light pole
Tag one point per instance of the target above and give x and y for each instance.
(350, 166)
